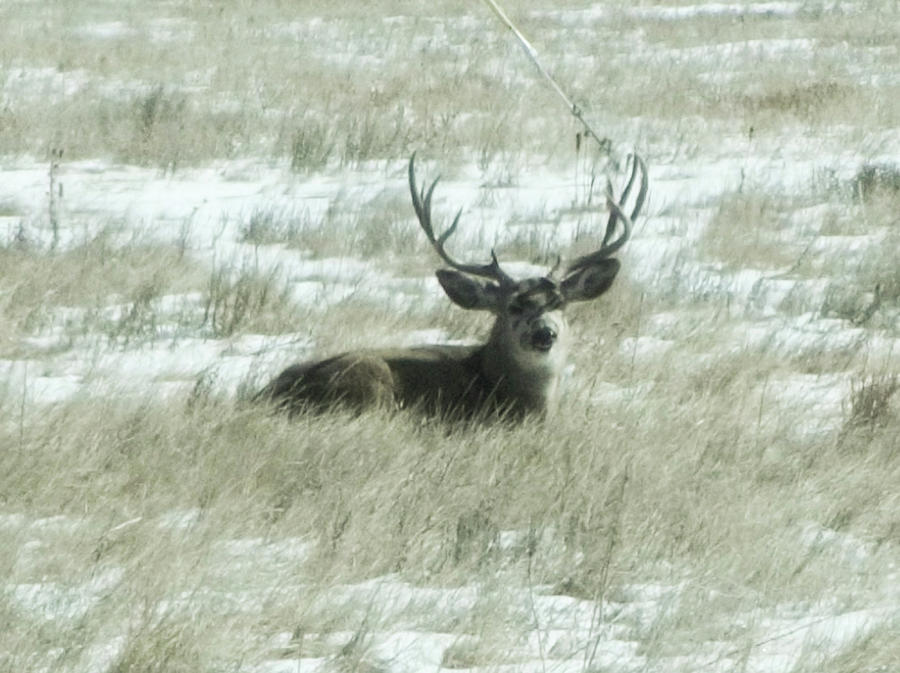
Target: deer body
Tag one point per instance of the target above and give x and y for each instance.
(459, 381)
(518, 370)
(437, 380)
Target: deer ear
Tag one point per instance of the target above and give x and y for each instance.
(466, 292)
(591, 281)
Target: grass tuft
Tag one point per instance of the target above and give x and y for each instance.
(243, 298)
(877, 180)
(871, 400)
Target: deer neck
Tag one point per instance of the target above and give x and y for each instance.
(530, 381)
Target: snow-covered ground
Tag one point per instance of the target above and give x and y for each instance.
(768, 308)
(411, 628)
(209, 208)
(566, 632)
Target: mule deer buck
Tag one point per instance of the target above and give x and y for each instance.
(518, 370)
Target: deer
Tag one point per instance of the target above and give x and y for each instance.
(516, 373)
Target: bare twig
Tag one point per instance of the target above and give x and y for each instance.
(56, 191)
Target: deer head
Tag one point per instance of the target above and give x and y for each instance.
(530, 332)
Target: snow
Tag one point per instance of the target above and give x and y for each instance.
(105, 30)
(644, 348)
(43, 83)
(599, 12)
(567, 632)
(206, 208)
(411, 651)
(51, 601)
(180, 519)
(306, 664)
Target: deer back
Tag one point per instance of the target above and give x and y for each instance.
(447, 381)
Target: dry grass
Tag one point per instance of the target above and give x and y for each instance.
(866, 290)
(748, 230)
(85, 279)
(333, 90)
(197, 532)
(876, 652)
(697, 494)
(119, 289)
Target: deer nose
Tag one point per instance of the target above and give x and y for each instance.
(543, 338)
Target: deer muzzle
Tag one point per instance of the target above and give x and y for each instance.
(543, 338)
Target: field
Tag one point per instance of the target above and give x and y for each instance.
(193, 195)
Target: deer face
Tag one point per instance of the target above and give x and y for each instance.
(530, 321)
(532, 314)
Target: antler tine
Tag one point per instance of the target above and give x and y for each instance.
(611, 223)
(422, 205)
(617, 214)
(642, 194)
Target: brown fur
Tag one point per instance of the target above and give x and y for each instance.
(445, 381)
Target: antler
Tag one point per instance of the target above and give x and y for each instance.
(422, 204)
(616, 213)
